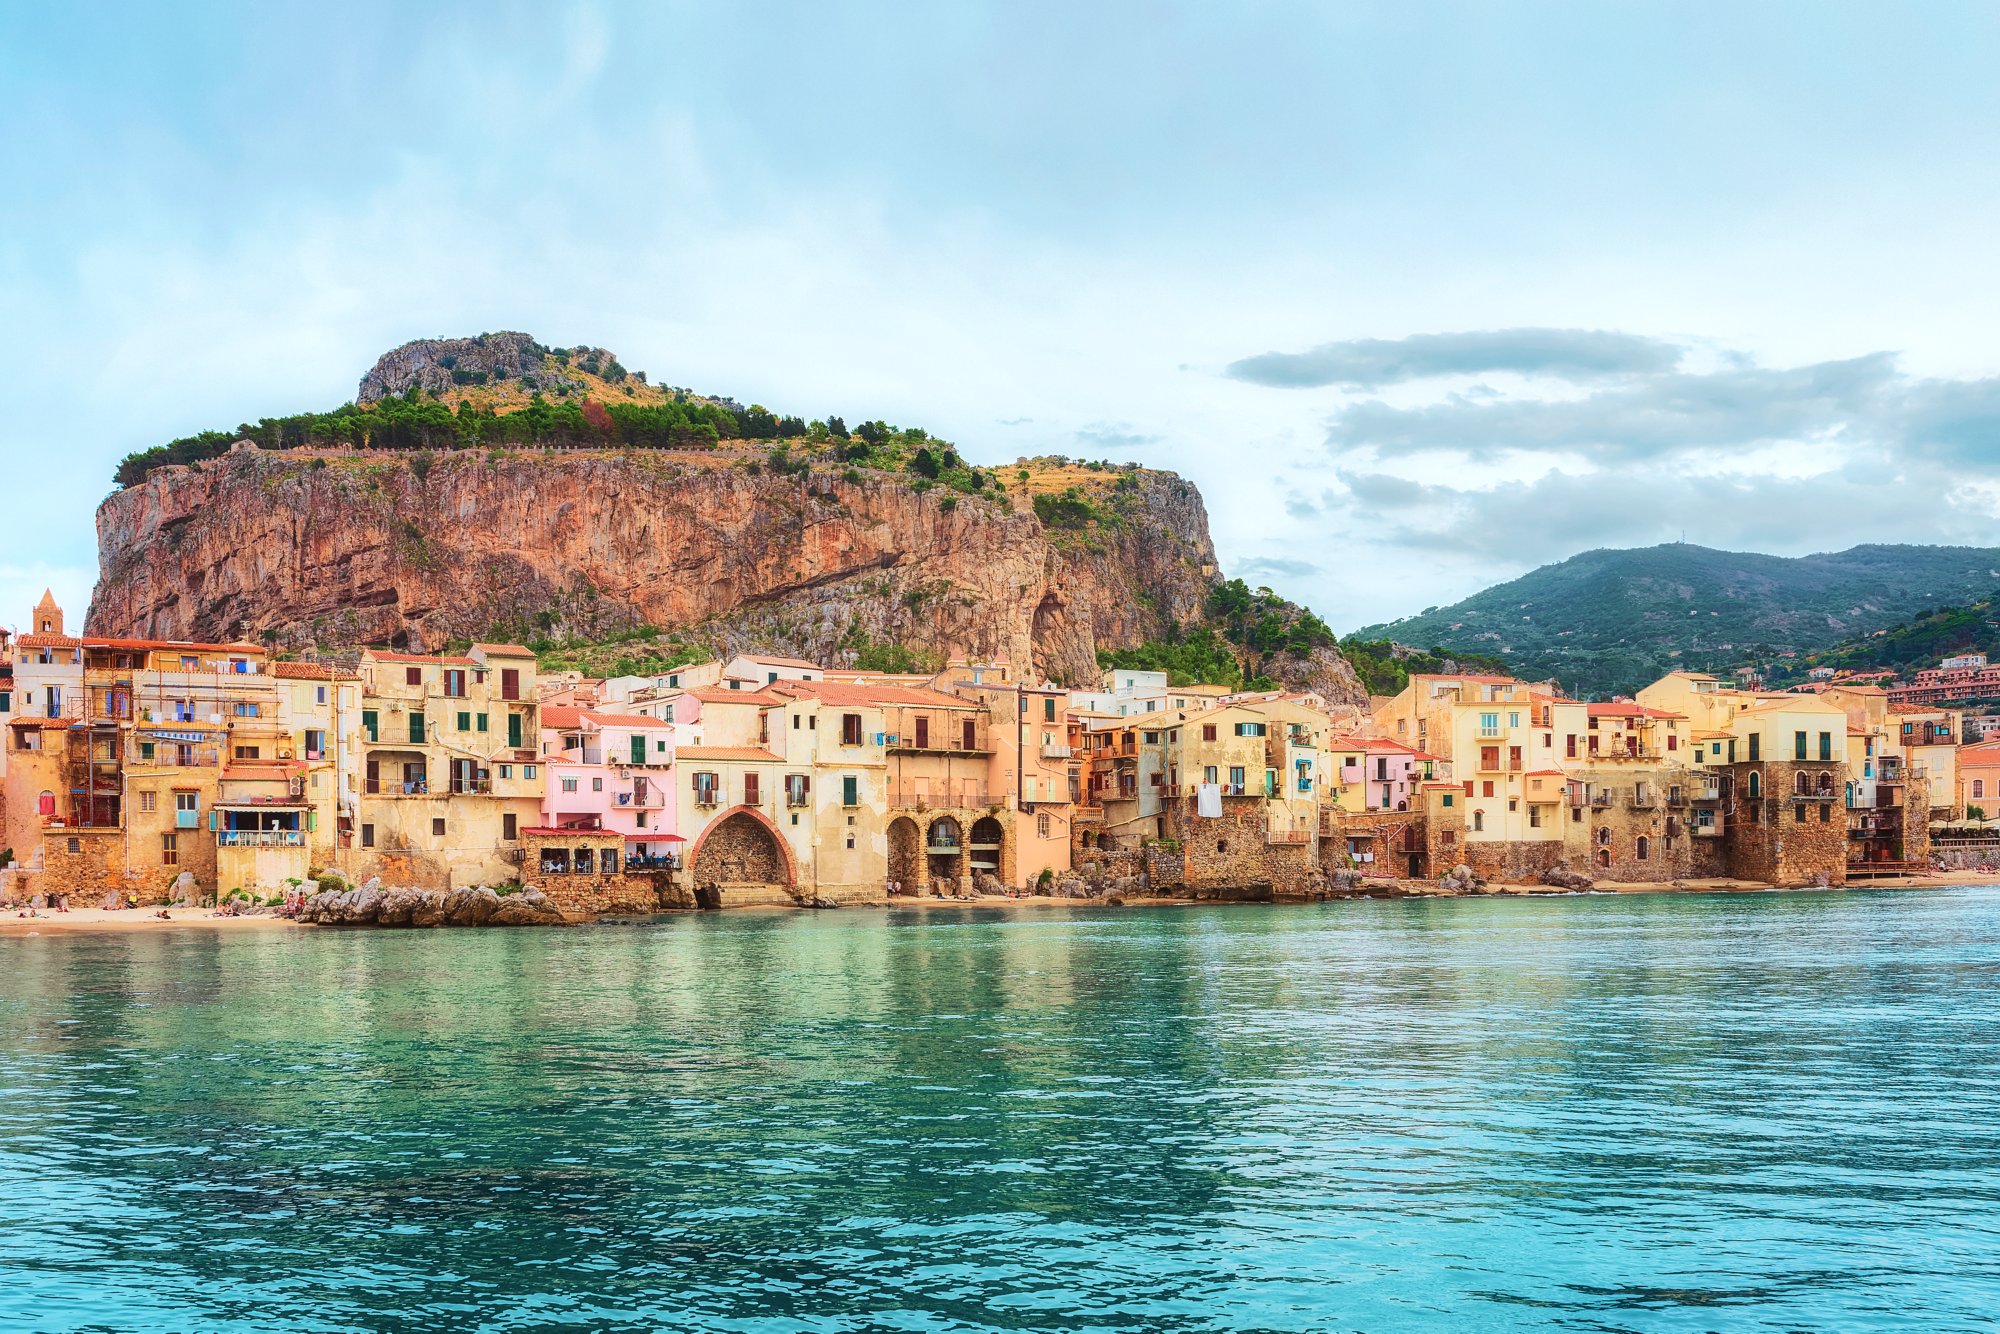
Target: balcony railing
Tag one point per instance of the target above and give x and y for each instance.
(966, 794)
(260, 838)
(1288, 837)
(1055, 752)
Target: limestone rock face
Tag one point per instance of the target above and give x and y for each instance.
(428, 363)
(333, 550)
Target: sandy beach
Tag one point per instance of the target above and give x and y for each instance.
(47, 921)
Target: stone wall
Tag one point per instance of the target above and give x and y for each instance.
(1386, 834)
(1230, 856)
(1768, 841)
(1613, 835)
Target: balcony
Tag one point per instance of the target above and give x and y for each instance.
(462, 787)
(260, 838)
(407, 787)
(976, 744)
(968, 794)
(1287, 837)
(1055, 752)
(1707, 830)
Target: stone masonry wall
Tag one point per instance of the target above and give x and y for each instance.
(1229, 856)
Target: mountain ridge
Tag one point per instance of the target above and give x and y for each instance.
(1610, 619)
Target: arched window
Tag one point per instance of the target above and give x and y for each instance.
(1604, 838)
(1604, 857)
(1826, 782)
(1478, 820)
(1641, 847)
(1756, 786)
(1978, 787)
(1802, 782)
(46, 803)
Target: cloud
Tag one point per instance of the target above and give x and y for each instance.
(1646, 418)
(1114, 435)
(1372, 363)
(1261, 566)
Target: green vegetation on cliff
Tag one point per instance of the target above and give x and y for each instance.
(1247, 630)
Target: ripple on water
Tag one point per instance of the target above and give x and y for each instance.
(1593, 1113)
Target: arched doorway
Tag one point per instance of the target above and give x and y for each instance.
(906, 854)
(1604, 859)
(988, 840)
(945, 849)
(739, 849)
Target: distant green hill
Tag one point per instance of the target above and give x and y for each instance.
(1929, 634)
(1610, 621)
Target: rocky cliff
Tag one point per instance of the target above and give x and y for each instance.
(306, 546)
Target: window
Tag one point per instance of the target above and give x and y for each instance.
(248, 753)
(850, 790)
(454, 682)
(1249, 729)
(1798, 745)
(528, 772)
(1208, 773)
(797, 786)
(597, 783)
(315, 744)
(437, 826)
(1049, 709)
(506, 771)
(1486, 788)
(464, 721)
(1642, 847)
(1447, 799)
(1479, 820)
(1489, 724)
(1208, 731)
(368, 836)
(146, 801)
(1826, 745)
(413, 676)
(369, 724)
(1150, 738)
(510, 683)
(417, 732)
(319, 694)
(850, 729)
(1978, 787)
(510, 826)
(1236, 778)
(704, 789)
(1799, 813)
(1042, 823)
(1572, 745)
(1826, 812)
(479, 722)
(750, 789)
(170, 849)
(569, 785)
(1756, 746)
(1755, 785)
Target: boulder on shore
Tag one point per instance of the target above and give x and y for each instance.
(372, 905)
(1563, 878)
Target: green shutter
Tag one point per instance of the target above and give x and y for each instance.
(480, 720)
(850, 793)
(638, 749)
(312, 821)
(464, 720)
(417, 727)
(368, 724)
(513, 729)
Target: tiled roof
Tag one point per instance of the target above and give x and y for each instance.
(49, 641)
(384, 655)
(311, 671)
(714, 695)
(563, 716)
(747, 753)
(505, 650)
(841, 694)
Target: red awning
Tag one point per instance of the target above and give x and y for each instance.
(654, 838)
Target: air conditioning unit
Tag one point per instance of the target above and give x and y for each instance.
(284, 752)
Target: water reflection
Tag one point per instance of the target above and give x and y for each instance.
(1585, 1113)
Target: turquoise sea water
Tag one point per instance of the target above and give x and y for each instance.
(1770, 1111)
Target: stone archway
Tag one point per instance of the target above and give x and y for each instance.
(906, 854)
(739, 849)
(944, 853)
(986, 848)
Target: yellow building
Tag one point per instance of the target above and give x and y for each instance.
(450, 769)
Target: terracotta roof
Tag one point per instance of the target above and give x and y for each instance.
(49, 641)
(1547, 773)
(563, 716)
(1626, 709)
(748, 753)
(505, 650)
(311, 671)
(842, 694)
(713, 695)
(384, 655)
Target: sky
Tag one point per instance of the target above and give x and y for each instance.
(1421, 297)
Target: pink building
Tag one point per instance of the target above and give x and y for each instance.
(1373, 773)
(614, 772)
